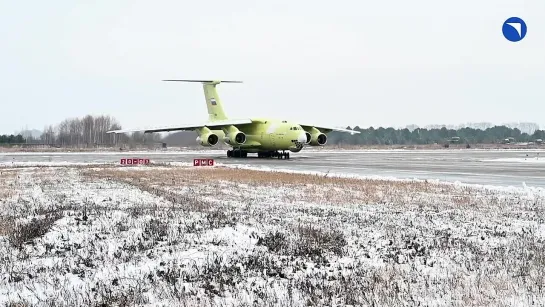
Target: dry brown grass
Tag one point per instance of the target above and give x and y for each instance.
(311, 188)
(7, 177)
(6, 226)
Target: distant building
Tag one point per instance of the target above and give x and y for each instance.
(508, 140)
(455, 139)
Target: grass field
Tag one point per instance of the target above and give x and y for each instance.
(163, 236)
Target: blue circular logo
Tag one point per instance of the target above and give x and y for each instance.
(514, 29)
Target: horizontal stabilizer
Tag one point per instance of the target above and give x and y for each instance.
(207, 81)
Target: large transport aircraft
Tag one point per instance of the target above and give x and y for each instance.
(269, 138)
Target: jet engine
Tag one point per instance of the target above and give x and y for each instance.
(318, 139)
(208, 139)
(237, 138)
(309, 138)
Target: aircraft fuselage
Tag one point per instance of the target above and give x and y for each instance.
(268, 135)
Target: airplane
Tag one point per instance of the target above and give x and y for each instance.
(269, 138)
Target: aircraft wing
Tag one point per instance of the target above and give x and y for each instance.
(215, 124)
(328, 129)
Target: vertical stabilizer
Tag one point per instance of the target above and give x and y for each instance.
(213, 101)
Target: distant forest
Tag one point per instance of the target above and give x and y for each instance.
(419, 136)
(90, 131)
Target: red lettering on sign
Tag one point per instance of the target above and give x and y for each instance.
(123, 161)
(140, 161)
(196, 162)
(134, 161)
(204, 162)
(146, 161)
(129, 161)
(211, 162)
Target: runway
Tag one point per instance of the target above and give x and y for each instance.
(488, 167)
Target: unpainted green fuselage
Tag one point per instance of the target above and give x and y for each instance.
(265, 135)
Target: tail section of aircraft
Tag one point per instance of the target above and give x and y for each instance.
(213, 101)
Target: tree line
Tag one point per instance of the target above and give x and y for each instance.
(88, 131)
(419, 136)
(11, 139)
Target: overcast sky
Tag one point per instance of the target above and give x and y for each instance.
(379, 63)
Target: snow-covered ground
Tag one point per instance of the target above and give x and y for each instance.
(178, 235)
(533, 159)
(114, 153)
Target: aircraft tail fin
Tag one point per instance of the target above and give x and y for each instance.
(213, 101)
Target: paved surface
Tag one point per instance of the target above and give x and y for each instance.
(503, 168)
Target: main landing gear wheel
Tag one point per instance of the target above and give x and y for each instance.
(237, 153)
(273, 154)
(283, 155)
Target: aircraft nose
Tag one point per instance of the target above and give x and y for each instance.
(302, 138)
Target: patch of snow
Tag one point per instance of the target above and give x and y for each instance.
(530, 159)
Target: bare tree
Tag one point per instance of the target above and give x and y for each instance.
(92, 131)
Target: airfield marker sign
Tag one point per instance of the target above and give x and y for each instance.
(134, 161)
(203, 162)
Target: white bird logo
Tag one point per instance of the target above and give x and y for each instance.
(517, 26)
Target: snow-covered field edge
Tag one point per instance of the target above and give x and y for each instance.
(163, 236)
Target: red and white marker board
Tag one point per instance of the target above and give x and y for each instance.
(203, 162)
(134, 161)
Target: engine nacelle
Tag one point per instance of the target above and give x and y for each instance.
(318, 139)
(309, 138)
(237, 138)
(208, 139)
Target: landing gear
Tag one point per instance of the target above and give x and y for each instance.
(283, 155)
(273, 154)
(237, 153)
